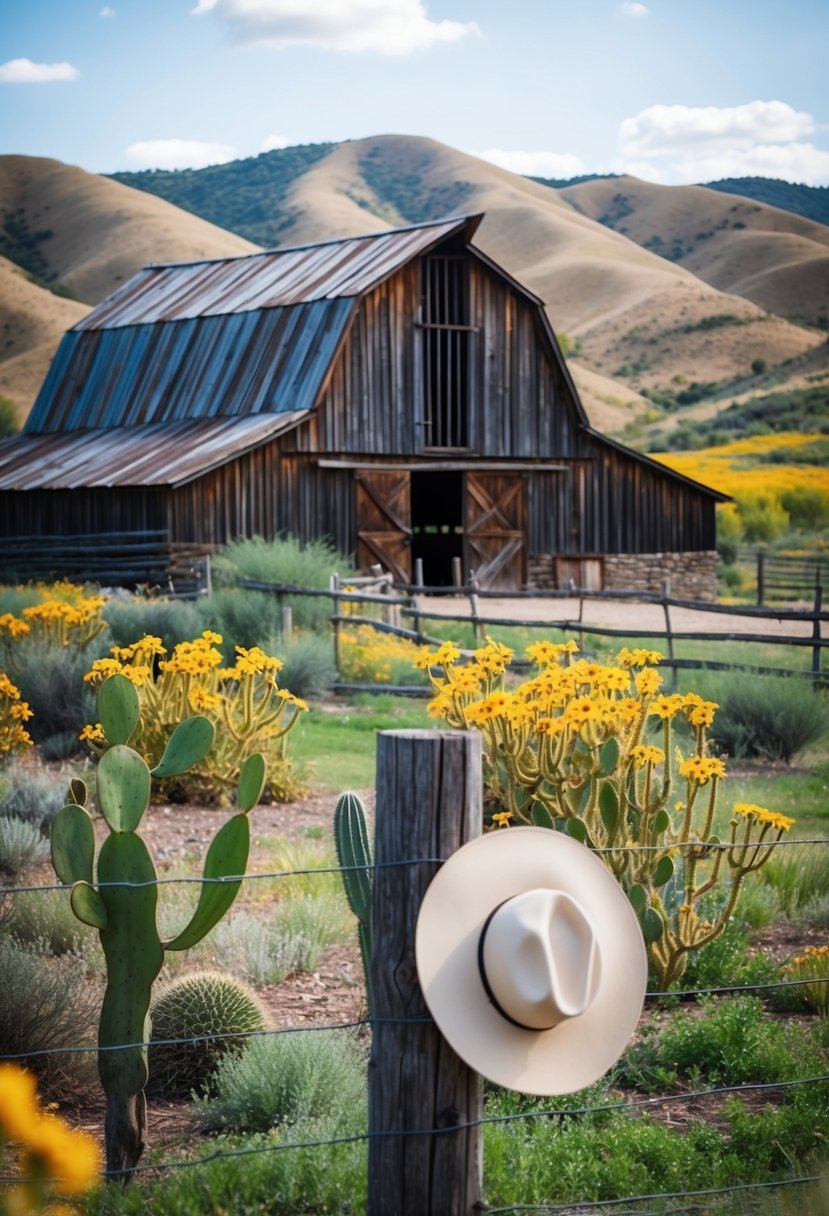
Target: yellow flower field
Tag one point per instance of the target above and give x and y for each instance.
(738, 468)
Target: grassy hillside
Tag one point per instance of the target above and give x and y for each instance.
(778, 260)
(810, 201)
(245, 196)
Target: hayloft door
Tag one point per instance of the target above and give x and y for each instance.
(384, 522)
(496, 527)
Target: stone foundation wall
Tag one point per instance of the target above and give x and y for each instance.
(692, 576)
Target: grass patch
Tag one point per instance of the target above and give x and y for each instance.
(337, 750)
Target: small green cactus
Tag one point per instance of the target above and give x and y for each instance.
(353, 846)
(199, 1003)
(119, 896)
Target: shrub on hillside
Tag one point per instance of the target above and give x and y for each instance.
(807, 507)
(729, 532)
(768, 716)
(762, 518)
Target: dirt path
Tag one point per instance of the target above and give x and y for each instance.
(623, 614)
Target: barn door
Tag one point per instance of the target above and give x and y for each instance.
(384, 522)
(496, 525)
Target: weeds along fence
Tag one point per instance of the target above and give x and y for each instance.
(425, 1113)
(395, 603)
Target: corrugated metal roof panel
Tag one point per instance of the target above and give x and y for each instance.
(165, 454)
(273, 279)
(270, 361)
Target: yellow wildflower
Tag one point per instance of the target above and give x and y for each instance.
(502, 818)
(645, 754)
(762, 815)
(648, 681)
(702, 768)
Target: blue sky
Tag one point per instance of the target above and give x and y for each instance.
(672, 90)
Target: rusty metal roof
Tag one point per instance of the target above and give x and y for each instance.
(273, 279)
(161, 454)
(265, 362)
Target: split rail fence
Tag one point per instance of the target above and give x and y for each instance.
(394, 603)
(425, 1114)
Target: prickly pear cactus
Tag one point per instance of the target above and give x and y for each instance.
(353, 846)
(118, 896)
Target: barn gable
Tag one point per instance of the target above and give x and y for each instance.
(400, 393)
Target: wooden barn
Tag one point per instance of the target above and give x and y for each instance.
(398, 393)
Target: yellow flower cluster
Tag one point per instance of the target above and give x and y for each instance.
(369, 656)
(761, 815)
(57, 622)
(570, 743)
(52, 1150)
(812, 966)
(243, 702)
(14, 711)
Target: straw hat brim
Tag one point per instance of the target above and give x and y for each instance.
(474, 881)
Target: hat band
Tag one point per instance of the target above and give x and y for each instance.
(493, 1000)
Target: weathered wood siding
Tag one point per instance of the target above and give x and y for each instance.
(80, 512)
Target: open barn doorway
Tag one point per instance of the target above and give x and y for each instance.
(437, 524)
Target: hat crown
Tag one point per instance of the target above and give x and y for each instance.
(540, 958)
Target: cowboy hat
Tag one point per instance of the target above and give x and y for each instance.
(531, 960)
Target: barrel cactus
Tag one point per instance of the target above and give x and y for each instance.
(119, 895)
(209, 1003)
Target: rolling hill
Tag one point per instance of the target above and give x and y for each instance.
(778, 260)
(68, 239)
(633, 321)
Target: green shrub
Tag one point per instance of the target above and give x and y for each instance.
(807, 506)
(733, 1042)
(22, 844)
(243, 618)
(198, 1003)
(283, 1078)
(799, 877)
(173, 621)
(51, 679)
(9, 421)
(48, 1004)
(309, 669)
(44, 920)
(725, 961)
(729, 532)
(287, 561)
(768, 716)
(762, 517)
(293, 940)
(32, 794)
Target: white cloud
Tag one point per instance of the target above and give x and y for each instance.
(633, 9)
(691, 144)
(272, 143)
(387, 27)
(23, 71)
(178, 153)
(106, 11)
(535, 164)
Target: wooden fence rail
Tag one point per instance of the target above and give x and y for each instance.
(403, 603)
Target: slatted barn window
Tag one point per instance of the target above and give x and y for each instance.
(446, 337)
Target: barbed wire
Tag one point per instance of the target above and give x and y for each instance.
(356, 1023)
(586, 1205)
(184, 879)
(486, 1120)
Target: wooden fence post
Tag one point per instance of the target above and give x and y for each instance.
(761, 579)
(816, 631)
(429, 803)
(669, 637)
